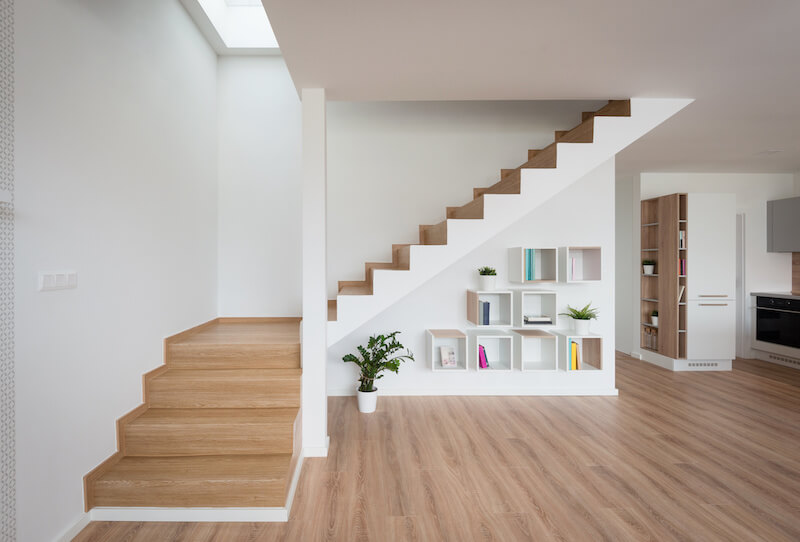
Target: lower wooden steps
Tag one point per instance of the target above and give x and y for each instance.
(210, 431)
(220, 423)
(226, 480)
(225, 388)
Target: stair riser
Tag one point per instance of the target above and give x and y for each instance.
(171, 493)
(246, 356)
(222, 393)
(208, 439)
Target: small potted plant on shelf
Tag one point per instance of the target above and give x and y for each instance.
(649, 267)
(654, 318)
(376, 357)
(581, 318)
(487, 277)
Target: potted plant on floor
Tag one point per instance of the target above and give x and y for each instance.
(649, 267)
(581, 318)
(379, 355)
(487, 277)
(654, 318)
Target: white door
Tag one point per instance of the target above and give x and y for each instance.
(711, 244)
(711, 329)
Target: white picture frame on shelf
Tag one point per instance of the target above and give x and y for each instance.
(448, 354)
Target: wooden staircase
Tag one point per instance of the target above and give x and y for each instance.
(219, 426)
(509, 183)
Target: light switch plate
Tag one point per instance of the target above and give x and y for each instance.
(58, 280)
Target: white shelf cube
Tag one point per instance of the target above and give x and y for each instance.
(501, 307)
(499, 351)
(581, 264)
(535, 303)
(537, 350)
(544, 269)
(436, 338)
(591, 351)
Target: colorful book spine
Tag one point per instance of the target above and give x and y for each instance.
(483, 362)
(485, 313)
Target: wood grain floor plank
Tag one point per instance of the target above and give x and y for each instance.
(711, 456)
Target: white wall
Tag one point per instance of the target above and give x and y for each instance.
(626, 224)
(259, 188)
(395, 165)
(763, 271)
(116, 163)
(441, 303)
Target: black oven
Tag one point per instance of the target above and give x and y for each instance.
(778, 321)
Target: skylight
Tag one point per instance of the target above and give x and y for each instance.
(241, 24)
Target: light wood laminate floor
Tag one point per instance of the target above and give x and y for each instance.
(677, 456)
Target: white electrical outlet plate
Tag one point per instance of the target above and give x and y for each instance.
(58, 280)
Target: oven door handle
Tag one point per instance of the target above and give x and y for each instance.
(777, 310)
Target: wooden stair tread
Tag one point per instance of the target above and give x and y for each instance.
(246, 331)
(228, 374)
(216, 416)
(332, 310)
(200, 468)
(356, 290)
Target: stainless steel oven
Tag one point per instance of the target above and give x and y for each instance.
(778, 321)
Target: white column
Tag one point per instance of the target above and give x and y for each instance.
(315, 304)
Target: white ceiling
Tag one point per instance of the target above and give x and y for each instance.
(740, 60)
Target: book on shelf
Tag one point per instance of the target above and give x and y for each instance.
(682, 266)
(448, 356)
(483, 361)
(483, 312)
(530, 264)
(682, 239)
(680, 293)
(574, 350)
(536, 319)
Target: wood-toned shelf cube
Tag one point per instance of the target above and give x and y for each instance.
(537, 350)
(542, 266)
(501, 307)
(499, 348)
(581, 264)
(454, 338)
(536, 304)
(590, 349)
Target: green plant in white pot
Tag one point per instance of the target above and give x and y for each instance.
(380, 354)
(487, 278)
(581, 317)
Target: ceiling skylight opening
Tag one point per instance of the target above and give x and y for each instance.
(241, 24)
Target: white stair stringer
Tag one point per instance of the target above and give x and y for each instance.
(538, 185)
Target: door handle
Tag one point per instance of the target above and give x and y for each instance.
(713, 304)
(713, 295)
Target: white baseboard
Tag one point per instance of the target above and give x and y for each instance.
(679, 365)
(73, 531)
(276, 514)
(483, 392)
(318, 451)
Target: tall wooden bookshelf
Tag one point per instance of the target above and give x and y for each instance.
(664, 240)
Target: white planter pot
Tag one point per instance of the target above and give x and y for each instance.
(649, 269)
(581, 327)
(367, 401)
(487, 282)
(654, 320)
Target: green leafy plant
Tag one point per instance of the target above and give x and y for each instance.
(586, 313)
(654, 313)
(648, 262)
(487, 271)
(376, 357)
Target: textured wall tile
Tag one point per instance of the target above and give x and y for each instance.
(7, 501)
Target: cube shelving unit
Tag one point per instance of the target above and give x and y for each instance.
(591, 351)
(581, 264)
(499, 351)
(534, 303)
(436, 338)
(537, 350)
(501, 307)
(544, 268)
